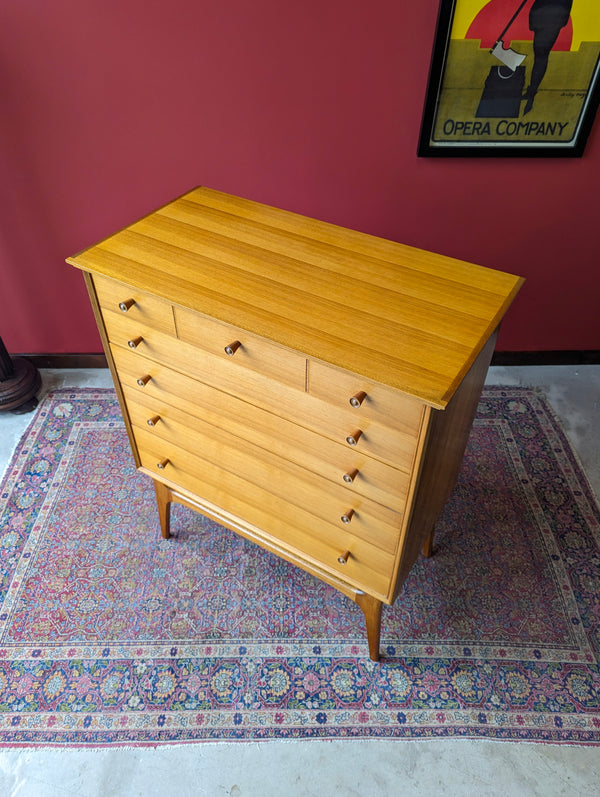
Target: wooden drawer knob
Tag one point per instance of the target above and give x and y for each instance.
(343, 558)
(232, 348)
(143, 380)
(347, 516)
(153, 420)
(350, 476)
(353, 438)
(162, 464)
(357, 399)
(133, 344)
(124, 306)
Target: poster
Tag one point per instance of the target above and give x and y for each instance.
(513, 77)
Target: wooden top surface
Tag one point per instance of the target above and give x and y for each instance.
(402, 316)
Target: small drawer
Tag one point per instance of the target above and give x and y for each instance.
(134, 304)
(241, 348)
(369, 399)
(363, 435)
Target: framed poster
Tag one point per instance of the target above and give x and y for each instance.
(512, 77)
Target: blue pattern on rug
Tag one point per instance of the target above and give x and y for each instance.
(111, 635)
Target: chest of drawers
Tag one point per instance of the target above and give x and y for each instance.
(309, 387)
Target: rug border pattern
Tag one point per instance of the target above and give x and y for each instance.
(373, 720)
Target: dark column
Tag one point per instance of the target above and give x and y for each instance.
(20, 380)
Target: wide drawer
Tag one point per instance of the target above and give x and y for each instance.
(178, 367)
(242, 347)
(196, 362)
(368, 399)
(326, 500)
(367, 566)
(136, 305)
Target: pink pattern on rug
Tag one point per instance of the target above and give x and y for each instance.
(111, 635)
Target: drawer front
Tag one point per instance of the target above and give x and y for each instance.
(369, 400)
(392, 446)
(326, 500)
(136, 305)
(219, 371)
(195, 403)
(367, 567)
(243, 348)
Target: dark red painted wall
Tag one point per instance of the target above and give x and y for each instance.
(109, 109)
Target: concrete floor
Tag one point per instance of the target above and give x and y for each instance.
(347, 768)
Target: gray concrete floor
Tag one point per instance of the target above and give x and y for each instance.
(347, 768)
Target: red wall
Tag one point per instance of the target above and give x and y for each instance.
(109, 109)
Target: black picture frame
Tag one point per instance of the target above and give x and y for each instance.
(461, 90)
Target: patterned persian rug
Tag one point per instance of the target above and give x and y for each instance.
(111, 635)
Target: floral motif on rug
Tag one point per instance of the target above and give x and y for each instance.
(111, 635)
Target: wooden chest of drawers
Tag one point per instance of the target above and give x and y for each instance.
(309, 387)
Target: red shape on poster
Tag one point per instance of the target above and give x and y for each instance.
(493, 17)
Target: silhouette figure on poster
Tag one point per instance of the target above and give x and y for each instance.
(504, 92)
(546, 19)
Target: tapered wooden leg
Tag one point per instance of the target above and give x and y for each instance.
(163, 499)
(372, 610)
(428, 546)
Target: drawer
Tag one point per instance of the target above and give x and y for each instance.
(177, 368)
(326, 500)
(136, 305)
(364, 435)
(242, 348)
(368, 399)
(192, 402)
(273, 517)
(220, 371)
